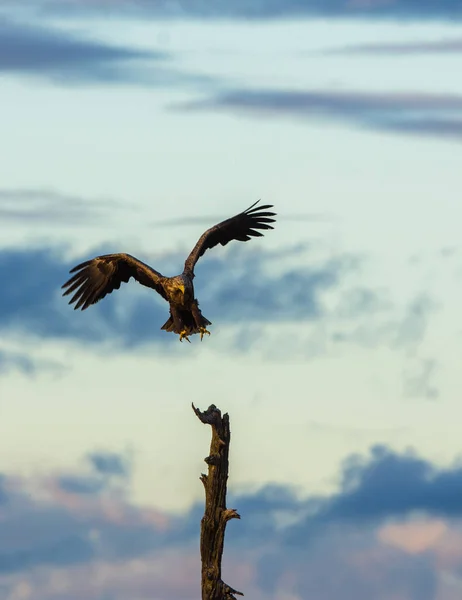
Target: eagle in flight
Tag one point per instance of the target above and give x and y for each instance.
(96, 278)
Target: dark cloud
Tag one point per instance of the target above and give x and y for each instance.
(437, 115)
(292, 546)
(36, 534)
(238, 287)
(384, 485)
(448, 128)
(372, 490)
(109, 463)
(320, 304)
(105, 466)
(66, 552)
(262, 9)
(73, 518)
(3, 492)
(332, 551)
(81, 485)
(68, 59)
(442, 46)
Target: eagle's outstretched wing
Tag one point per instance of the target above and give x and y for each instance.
(240, 227)
(98, 277)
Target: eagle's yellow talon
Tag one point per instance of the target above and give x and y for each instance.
(184, 334)
(203, 331)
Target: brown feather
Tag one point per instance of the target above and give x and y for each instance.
(96, 278)
(241, 227)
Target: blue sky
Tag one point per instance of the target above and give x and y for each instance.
(134, 126)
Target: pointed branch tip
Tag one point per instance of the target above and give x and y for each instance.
(212, 416)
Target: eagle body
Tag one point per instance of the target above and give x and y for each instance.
(93, 279)
(179, 290)
(185, 314)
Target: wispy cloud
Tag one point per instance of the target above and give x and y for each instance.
(68, 59)
(419, 379)
(437, 115)
(259, 9)
(206, 221)
(442, 46)
(110, 463)
(12, 360)
(45, 206)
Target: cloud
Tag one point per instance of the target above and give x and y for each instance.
(418, 379)
(45, 206)
(68, 59)
(437, 115)
(235, 287)
(385, 485)
(22, 362)
(256, 299)
(81, 485)
(25, 363)
(105, 468)
(69, 518)
(67, 551)
(261, 9)
(448, 129)
(442, 46)
(206, 220)
(414, 537)
(109, 463)
(363, 541)
(366, 545)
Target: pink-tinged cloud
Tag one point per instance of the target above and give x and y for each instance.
(413, 537)
(64, 538)
(443, 538)
(172, 575)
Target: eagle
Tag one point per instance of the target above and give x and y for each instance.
(95, 278)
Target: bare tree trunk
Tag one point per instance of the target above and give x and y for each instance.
(216, 514)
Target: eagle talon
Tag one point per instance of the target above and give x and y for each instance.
(184, 334)
(203, 331)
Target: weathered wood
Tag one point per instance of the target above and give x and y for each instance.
(216, 514)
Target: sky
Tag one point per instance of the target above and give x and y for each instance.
(133, 126)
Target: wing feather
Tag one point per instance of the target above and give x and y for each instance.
(95, 278)
(241, 227)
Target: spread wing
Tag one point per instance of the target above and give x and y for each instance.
(98, 277)
(240, 227)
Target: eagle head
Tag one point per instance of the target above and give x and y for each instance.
(180, 289)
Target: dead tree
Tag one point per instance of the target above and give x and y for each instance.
(216, 514)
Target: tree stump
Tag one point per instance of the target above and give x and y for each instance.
(216, 516)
